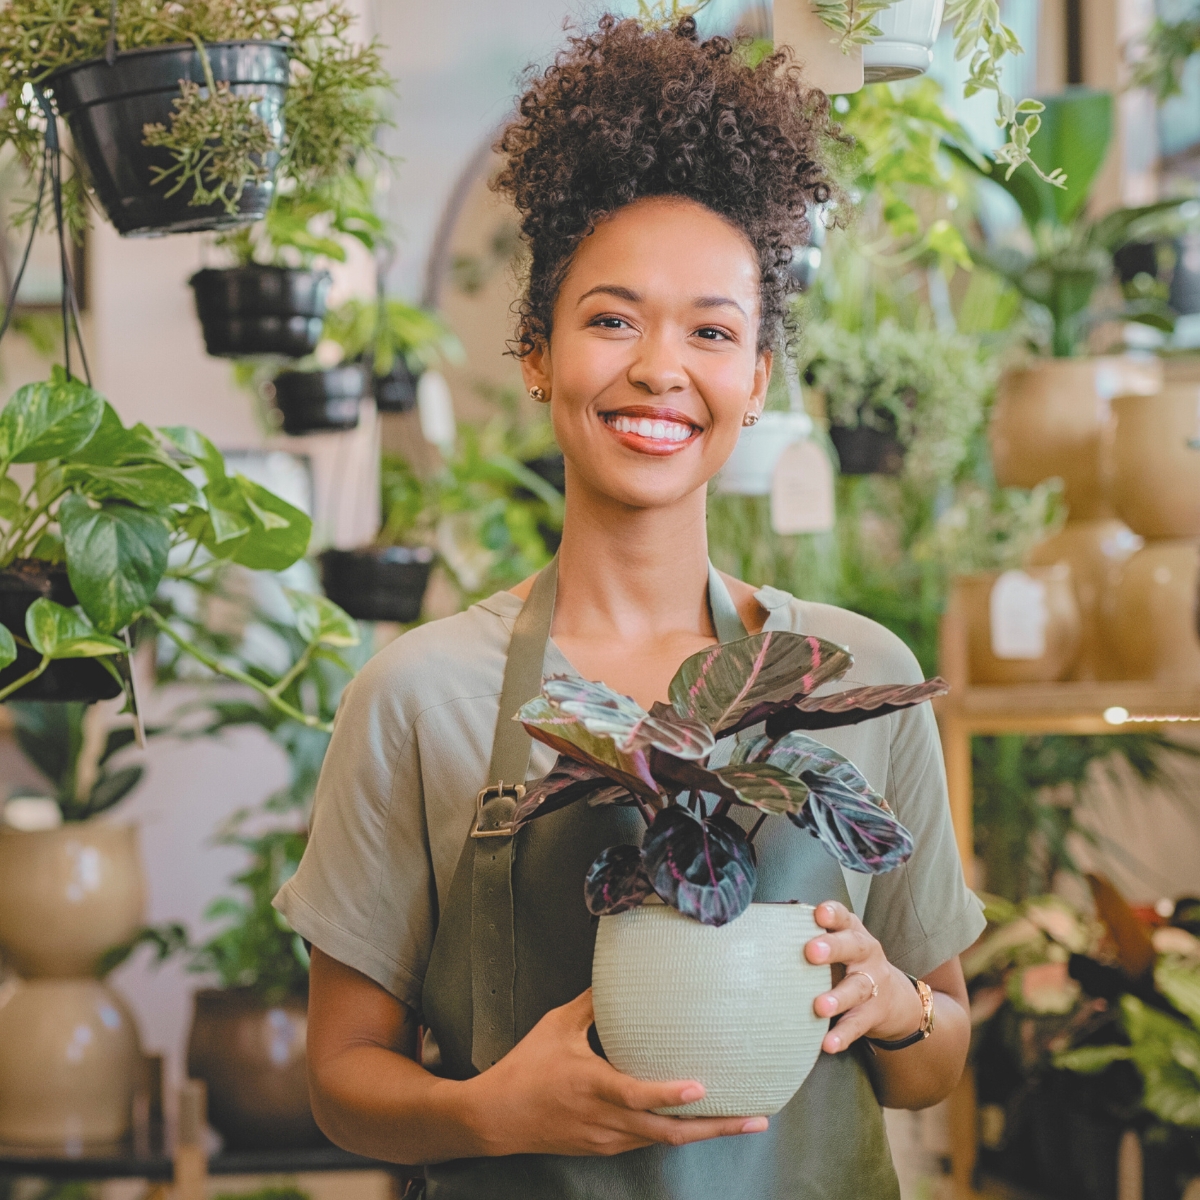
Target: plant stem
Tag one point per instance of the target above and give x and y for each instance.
(278, 688)
(215, 664)
(756, 826)
(28, 677)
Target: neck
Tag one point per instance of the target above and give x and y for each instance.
(631, 572)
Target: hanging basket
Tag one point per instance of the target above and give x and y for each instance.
(378, 583)
(909, 29)
(21, 583)
(107, 108)
(260, 310)
(396, 392)
(862, 450)
(319, 401)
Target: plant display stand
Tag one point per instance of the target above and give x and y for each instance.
(1098, 707)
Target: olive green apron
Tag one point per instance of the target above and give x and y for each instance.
(515, 940)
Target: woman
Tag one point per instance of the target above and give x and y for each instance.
(661, 184)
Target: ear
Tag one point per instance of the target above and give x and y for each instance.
(762, 379)
(535, 368)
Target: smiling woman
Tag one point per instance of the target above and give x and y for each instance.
(661, 182)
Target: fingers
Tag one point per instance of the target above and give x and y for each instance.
(857, 988)
(641, 1096)
(578, 1013)
(682, 1131)
(833, 915)
(853, 945)
(849, 1029)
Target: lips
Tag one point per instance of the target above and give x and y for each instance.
(649, 430)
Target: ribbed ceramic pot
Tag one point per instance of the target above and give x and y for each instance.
(67, 895)
(1096, 552)
(1050, 606)
(1153, 623)
(1053, 417)
(1156, 462)
(908, 29)
(729, 1006)
(69, 1063)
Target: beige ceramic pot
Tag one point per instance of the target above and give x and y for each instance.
(728, 1006)
(1153, 623)
(1022, 626)
(252, 1057)
(1095, 551)
(69, 1063)
(1053, 418)
(1156, 462)
(67, 895)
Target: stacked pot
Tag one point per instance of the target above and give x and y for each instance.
(70, 1059)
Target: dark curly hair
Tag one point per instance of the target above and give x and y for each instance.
(628, 112)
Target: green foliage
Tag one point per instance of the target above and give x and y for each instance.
(387, 329)
(852, 20)
(1164, 50)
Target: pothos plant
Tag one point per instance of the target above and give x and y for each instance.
(122, 509)
(694, 856)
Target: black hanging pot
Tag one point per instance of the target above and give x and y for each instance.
(319, 401)
(378, 583)
(869, 449)
(108, 107)
(396, 392)
(21, 583)
(260, 310)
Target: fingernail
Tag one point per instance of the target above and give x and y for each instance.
(820, 949)
(835, 1043)
(755, 1125)
(693, 1091)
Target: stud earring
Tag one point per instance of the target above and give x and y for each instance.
(751, 418)
(538, 394)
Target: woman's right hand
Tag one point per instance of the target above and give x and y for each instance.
(552, 1094)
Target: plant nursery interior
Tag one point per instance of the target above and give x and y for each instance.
(304, 495)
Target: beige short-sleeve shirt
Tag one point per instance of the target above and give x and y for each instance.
(410, 751)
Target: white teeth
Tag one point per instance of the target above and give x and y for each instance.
(645, 427)
(668, 431)
(660, 430)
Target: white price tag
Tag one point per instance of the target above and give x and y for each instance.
(802, 490)
(1018, 616)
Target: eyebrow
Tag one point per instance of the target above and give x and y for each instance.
(624, 293)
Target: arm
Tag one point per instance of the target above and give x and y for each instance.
(921, 1074)
(550, 1095)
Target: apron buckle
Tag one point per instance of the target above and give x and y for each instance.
(495, 791)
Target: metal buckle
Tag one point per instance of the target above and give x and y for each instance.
(517, 791)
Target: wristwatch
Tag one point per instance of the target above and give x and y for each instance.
(925, 1028)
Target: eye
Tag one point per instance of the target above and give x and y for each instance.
(711, 333)
(609, 322)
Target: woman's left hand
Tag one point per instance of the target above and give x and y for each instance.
(893, 1012)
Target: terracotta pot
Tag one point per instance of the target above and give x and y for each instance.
(1053, 418)
(67, 895)
(69, 1063)
(252, 1057)
(1156, 462)
(1095, 551)
(1152, 625)
(1022, 626)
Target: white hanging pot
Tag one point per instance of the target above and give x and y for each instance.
(908, 29)
(730, 1006)
(751, 466)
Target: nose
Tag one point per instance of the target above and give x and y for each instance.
(656, 368)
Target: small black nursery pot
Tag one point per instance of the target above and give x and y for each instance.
(260, 310)
(396, 392)
(107, 108)
(319, 401)
(384, 583)
(863, 450)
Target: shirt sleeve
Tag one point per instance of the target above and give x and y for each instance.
(364, 892)
(923, 913)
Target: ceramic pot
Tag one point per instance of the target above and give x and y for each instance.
(108, 107)
(1152, 626)
(728, 1006)
(260, 310)
(904, 49)
(749, 469)
(1053, 418)
(378, 583)
(319, 401)
(1156, 462)
(251, 1056)
(1095, 551)
(67, 895)
(69, 1063)
(1022, 626)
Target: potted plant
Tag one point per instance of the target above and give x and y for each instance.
(684, 896)
(189, 117)
(320, 400)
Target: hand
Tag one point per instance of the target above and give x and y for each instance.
(894, 1013)
(552, 1094)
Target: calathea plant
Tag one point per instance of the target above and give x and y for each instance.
(694, 856)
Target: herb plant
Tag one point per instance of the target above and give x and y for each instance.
(694, 856)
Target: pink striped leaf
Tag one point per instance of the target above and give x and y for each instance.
(852, 706)
(567, 782)
(797, 752)
(765, 787)
(616, 882)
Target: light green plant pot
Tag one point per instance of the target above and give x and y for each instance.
(728, 1006)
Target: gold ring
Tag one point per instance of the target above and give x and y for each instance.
(866, 975)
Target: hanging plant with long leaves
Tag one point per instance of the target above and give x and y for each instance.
(694, 856)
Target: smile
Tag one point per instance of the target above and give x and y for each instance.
(651, 431)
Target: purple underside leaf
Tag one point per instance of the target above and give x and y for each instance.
(765, 787)
(705, 869)
(567, 782)
(796, 753)
(849, 707)
(616, 882)
(722, 685)
(862, 836)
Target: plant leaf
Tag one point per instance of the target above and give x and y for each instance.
(852, 706)
(616, 882)
(148, 485)
(112, 788)
(607, 713)
(737, 684)
(765, 787)
(116, 556)
(862, 836)
(49, 419)
(62, 633)
(269, 549)
(8, 647)
(796, 753)
(568, 781)
(320, 620)
(705, 869)
(112, 445)
(198, 448)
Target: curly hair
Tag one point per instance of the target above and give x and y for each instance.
(627, 112)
